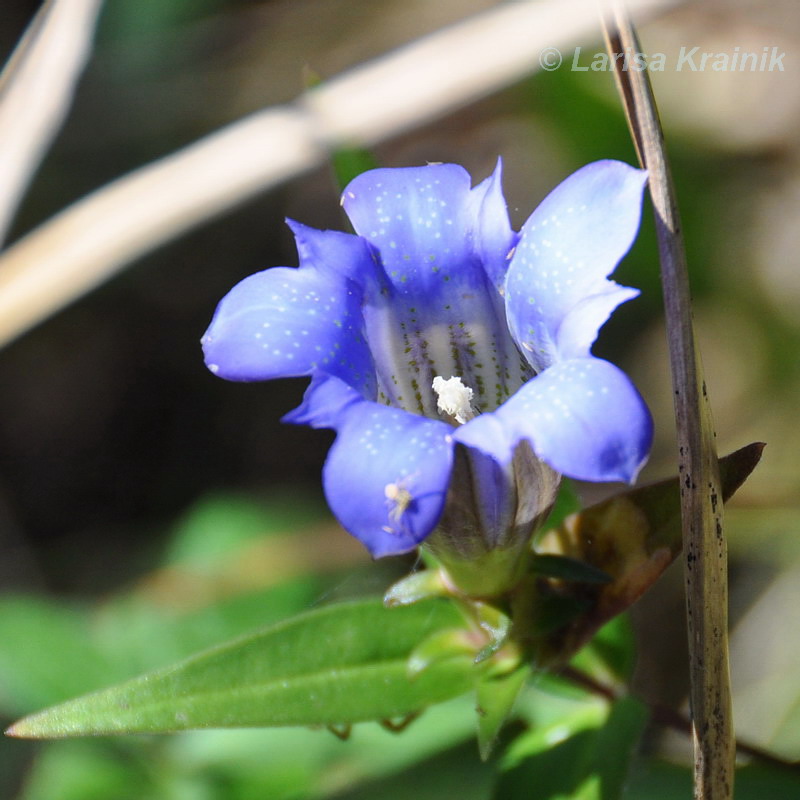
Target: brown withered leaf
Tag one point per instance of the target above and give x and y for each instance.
(633, 537)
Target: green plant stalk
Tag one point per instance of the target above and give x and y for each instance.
(704, 545)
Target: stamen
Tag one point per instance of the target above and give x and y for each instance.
(453, 398)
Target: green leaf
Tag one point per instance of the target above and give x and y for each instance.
(141, 631)
(567, 569)
(455, 773)
(335, 665)
(658, 780)
(584, 756)
(616, 745)
(632, 537)
(611, 654)
(294, 763)
(496, 697)
(417, 586)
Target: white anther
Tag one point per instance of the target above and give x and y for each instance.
(453, 398)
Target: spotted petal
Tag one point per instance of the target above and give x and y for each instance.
(420, 219)
(386, 475)
(582, 416)
(286, 322)
(494, 238)
(324, 403)
(442, 246)
(557, 295)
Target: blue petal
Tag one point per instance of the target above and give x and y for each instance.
(324, 402)
(442, 247)
(333, 252)
(494, 238)
(420, 219)
(557, 295)
(583, 417)
(286, 322)
(386, 475)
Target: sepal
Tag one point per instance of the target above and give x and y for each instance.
(418, 586)
(439, 647)
(632, 537)
(495, 702)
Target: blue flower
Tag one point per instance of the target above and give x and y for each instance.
(451, 354)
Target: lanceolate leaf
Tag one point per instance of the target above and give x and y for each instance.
(582, 757)
(568, 569)
(496, 698)
(335, 665)
(632, 537)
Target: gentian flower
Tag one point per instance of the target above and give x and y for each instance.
(451, 354)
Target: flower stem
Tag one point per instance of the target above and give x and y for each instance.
(704, 545)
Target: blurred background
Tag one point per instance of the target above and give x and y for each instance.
(148, 509)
